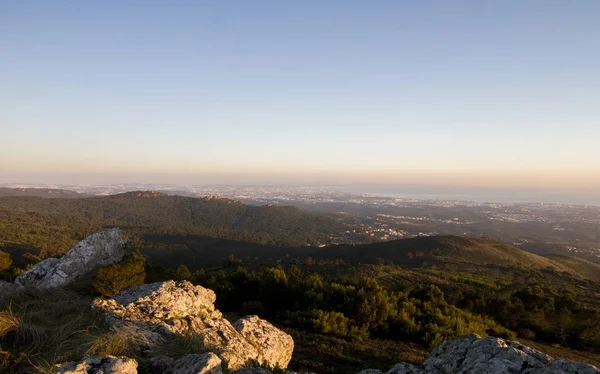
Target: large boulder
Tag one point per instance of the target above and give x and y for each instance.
(99, 365)
(476, 355)
(219, 336)
(276, 347)
(99, 249)
(180, 308)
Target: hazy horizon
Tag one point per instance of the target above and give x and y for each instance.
(497, 94)
(481, 194)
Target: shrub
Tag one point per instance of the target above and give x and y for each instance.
(526, 334)
(5, 261)
(331, 323)
(252, 307)
(183, 273)
(113, 279)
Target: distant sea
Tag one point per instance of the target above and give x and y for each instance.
(477, 194)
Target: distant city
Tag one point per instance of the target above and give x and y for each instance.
(571, 229)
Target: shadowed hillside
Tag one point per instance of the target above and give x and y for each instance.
(416, 252)
(585, 268)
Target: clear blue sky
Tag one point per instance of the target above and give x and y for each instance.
(458, 92)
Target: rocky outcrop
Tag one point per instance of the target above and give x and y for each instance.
(180, 308)
(472, 354)
(99, 365)
(99, 249)
(207, 363)
(275, 346)
(160, 306)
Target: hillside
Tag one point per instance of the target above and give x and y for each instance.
(585, 268)
(423, 251)
(40, 192)
(51, 226)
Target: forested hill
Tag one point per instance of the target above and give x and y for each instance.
(54, 225)
(40, 192)
(443, 250)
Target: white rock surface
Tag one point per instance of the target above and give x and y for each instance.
(275, 346)
(99, 249)
(99, 365)
(471, 354)
(180, 308)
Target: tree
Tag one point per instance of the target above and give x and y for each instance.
(113, 279)
(5, 261)
(183, 273)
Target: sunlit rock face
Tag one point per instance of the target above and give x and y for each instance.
(97, 250)
(180, 308)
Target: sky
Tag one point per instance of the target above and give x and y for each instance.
(486, 93)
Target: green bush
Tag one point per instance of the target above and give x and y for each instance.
(183, 273)
(330, 323)
(113, 279)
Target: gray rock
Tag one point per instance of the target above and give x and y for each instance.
(371, 371)
(221, 337)
(569, 367)
(471, 354)
(207, 363)
(99, 249)
(161, 364)
(276, 347)
(404, 368)
(99, 365)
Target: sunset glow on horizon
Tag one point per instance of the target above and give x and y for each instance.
(466, 93)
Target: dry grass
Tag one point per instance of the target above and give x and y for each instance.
(8, 321)
(180, 345)
(43, 328)
(38, 330)
(127, 340)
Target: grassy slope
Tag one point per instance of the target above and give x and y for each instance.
(417, 252)
(585, 268)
